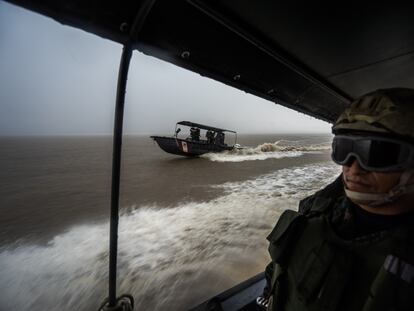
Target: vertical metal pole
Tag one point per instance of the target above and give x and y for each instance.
(116, 170)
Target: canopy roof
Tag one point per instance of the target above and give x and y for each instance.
(312, 58)
(204, 127)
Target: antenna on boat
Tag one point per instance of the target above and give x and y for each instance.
(123, 302)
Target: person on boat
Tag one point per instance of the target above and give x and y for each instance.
(351, 245)
(195, 133)
(219, 139)
(210, 136)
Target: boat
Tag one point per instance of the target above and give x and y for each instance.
(313, 58)
(194, 145)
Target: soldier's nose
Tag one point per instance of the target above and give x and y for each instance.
(354, 167)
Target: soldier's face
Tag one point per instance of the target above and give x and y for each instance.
(359, 180)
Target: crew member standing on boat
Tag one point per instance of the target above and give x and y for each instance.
(210, 136)
(220, 138)
(195, 133)
(351, 245)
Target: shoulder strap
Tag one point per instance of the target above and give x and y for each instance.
(320, 202)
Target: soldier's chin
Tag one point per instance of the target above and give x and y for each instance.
(357, 187)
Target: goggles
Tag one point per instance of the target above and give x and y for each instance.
(373, 153)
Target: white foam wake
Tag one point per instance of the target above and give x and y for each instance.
(279, 149)
(169, 258)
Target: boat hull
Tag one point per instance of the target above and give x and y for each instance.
(187, 147)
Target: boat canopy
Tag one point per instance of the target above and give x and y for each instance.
(204, 127)
(313, 57)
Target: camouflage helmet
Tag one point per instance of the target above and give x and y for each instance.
(385, 112)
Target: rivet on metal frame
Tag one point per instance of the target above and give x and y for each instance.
(185, 55)
(123, 27)
(236, 77)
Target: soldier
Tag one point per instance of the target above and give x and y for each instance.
(210, 136)
(195, 133)
(351, 245)
(219, 139)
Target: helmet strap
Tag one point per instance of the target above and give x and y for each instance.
(378, 199)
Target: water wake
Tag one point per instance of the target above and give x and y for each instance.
(169, 258)
(277, 150)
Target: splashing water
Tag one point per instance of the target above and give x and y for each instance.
(279, 149)
(169, 258)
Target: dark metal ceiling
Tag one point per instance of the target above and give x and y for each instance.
(310, 56)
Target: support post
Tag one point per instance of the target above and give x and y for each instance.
(116, 170)
(124, 302)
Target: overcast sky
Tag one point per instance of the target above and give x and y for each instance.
(55, 79)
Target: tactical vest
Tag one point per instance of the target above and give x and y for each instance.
(315, 269)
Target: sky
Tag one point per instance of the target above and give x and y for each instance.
(58, 80)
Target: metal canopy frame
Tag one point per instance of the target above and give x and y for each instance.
(297, 67)
(204, 127)
(117, 155)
